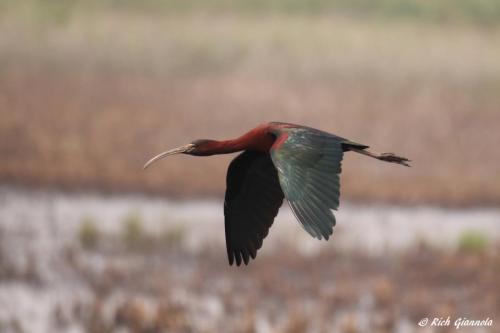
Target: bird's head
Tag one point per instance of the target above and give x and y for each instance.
(197, 148)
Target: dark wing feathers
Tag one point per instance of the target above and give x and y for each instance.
(253, 198)
(309, 163)
(304, 167)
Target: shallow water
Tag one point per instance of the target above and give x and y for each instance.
(44, 219)
(39, 223)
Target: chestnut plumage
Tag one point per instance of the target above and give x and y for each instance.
(279, 161)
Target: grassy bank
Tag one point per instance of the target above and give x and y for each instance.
(84, 102)
(484, 12)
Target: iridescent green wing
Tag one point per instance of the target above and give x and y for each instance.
(309, 164)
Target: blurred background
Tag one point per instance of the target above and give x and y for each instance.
(89, 90)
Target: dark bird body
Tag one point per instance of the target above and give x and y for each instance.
(279, 161)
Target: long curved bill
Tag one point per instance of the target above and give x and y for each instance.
(174, 151)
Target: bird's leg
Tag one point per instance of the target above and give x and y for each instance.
(387, 157)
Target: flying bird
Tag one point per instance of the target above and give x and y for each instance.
(279, 161)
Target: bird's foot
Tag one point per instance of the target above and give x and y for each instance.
(393, 158)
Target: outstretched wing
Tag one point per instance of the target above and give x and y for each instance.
(253, 198)
(309, 164)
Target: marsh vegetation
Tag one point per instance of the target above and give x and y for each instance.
(89, 90)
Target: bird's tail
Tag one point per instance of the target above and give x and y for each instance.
(387, 157)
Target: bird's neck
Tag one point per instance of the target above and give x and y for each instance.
(226, 146)
(256, 139)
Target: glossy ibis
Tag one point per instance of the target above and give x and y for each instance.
(279, 160)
